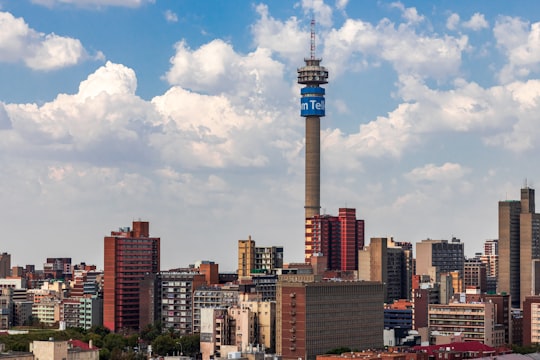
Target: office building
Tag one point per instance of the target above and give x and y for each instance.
(129, 255)
(475, 274)
(434, 257)
(316, 316)
(519, 247)
(254, 259)
(337, 238)
(385, 262)
(5, 265)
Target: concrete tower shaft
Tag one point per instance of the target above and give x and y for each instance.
(313, 166)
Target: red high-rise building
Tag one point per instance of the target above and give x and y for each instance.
(129, 255)
(337, 237)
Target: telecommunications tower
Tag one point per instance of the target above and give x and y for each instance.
(312, 75)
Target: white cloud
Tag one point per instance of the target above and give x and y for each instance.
(319, 10)
(341, 4)
(407, 51)
(430, 172)
(519, 40)
(452, 22)
(282, 37)
(85, 3)
(409, 14)
(215, 68)
(38, 51)
(476, 22)
(170, 16)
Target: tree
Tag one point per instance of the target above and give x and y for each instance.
(114, 341)
(164, 344)
(190, 344)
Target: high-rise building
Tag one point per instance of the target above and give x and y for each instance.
(129, 255)
(257, 259)
(475, 274)
(5, 265)
(434, 257)
(385, 262)
(316, 316)
(167, 297)
(312, 107)
(246, 257)
(519, 247)
(338, 238)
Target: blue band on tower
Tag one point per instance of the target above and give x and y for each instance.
(312, 90)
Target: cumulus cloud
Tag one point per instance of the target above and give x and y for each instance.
(409, 14)
(215, 68)
(282, 37)
(319, 10)
(433, 173)
(452, 22)
(86, 3)
(407, 51)
(5, 122)
(476, 22)
(518, 39)
(18, 42)
(341, 4)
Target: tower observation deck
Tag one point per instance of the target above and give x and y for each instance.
(312, 107)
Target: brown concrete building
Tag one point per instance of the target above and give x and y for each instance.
(519, 247)
(317, 316)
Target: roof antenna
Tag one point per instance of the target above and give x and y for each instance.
(312, 50)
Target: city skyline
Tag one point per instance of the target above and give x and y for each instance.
(187, 115)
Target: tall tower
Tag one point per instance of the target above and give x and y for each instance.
(312, 108)
(519, 247)
(128, 256)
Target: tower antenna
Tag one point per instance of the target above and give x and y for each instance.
(312, 50)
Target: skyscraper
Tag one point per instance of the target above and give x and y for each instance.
(129, 255)
(519, 247)
(312, 107)
(338, 238)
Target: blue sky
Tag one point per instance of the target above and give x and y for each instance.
(186, 114)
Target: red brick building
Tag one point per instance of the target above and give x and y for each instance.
(338, 238)
(129, 255)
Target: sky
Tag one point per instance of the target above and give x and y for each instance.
(186, 114)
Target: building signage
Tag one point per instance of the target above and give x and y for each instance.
(312, 106)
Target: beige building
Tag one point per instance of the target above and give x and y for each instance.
(265, 312)
(435, 257)
(475, 321)
(384, 261)
(246, 257)
(519, 246)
